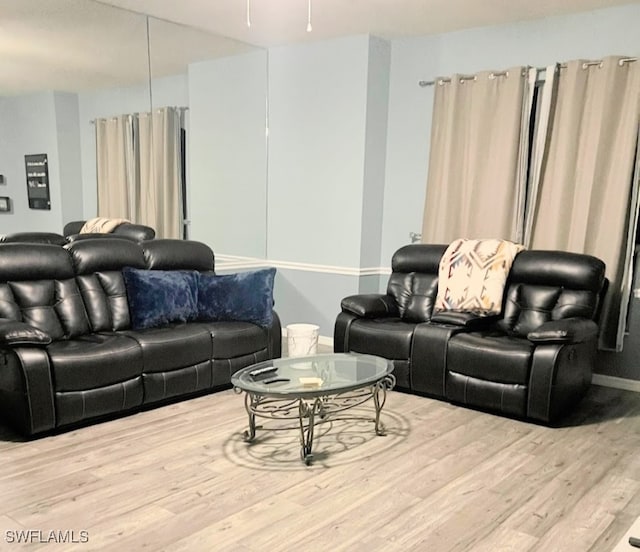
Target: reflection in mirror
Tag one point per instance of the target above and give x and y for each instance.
(63, 64)
(216, 88)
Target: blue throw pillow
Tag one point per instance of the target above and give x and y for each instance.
(157, 297)
(243, 297)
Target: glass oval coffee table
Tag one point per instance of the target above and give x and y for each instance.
(312, 390)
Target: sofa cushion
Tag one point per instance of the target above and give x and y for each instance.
(234, 339)
(399, 287)
(241, 297)
(167, 254)
(158, 297)
(105, 299)
(76, 406)
(93, 361)
(104, 254)
(527, 307)
(418, 257)
(53, 306)
(386, 337)
(491, 356)
(34, 261)
(174, 346)
(34, 237)
(159, 386)
(424, 288)
(506, 398)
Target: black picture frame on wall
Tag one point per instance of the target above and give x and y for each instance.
(5, 204)
(37, 169)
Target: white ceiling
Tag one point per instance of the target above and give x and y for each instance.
(72, 45)
(279, 22)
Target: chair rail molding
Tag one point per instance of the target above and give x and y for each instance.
(233, 262)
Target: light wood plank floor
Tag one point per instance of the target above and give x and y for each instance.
(180, 478)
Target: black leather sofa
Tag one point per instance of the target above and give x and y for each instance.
(67, 351)
(34, 237)
(533, 361)
(136, 232)
(71, 232)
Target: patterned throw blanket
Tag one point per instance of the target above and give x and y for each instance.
(101, 225)
(472, 275)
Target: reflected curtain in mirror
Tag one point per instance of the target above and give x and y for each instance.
(477, 168)
(587, 198)
(159, 203)
(139, 160)
(116, 167)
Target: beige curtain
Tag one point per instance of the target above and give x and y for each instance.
(476, 179)
(160, 201)
(115, 162)
(586, 202)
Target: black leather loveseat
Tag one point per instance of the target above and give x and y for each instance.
(68, 352)
(533, 361)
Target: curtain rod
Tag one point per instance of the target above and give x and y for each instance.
(586, 64)
(93, 121)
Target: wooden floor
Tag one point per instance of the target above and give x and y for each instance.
(181, 478)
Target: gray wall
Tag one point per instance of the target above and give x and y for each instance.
(29, 125)
(69, 155)
(317, 125)
(228, 154)
(327, 139)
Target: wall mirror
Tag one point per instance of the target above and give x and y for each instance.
(219, 88)
(66, 63)
(62, 63)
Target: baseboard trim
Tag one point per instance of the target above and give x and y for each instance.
(325, 340)
(616, 383)
(322, 339)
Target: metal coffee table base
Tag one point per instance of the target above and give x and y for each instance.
(315, 410)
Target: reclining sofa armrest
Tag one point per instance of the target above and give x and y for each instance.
(26, 388)
(569, 330)
(14, 333)
(465, 319)
(370, 305)
(275, 337)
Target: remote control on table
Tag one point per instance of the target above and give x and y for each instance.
(634, 541)
(262, 371)
(277, 380)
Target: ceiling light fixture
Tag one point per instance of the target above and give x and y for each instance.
(309, 27)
